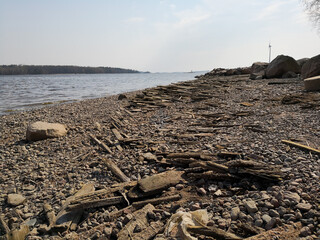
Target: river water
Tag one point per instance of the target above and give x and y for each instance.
(22, 92)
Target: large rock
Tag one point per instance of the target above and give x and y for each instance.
(302, 61)
(258, 70)
(311, 68)
(43, 130)
(281, 65)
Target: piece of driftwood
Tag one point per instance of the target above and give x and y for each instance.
(286, 232)
(217, 233)
(115, 170)
(101, 144)
(96, 203)
(17, 234)
(213, 176)
(4, 224)
(139, 228)
(70, 219)
(301, 146)
(199, 155)
(249, 229)
(117, 134)
(155, 201)
(229, 154)
(50, 215)
(160, 181)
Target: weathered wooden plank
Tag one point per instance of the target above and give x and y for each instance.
(146, 230)
(71, 218)
(101, 144)
(115, 170)
(157, 200)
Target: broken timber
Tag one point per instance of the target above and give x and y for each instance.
(304, 147)
(101, 144)
(115, 170)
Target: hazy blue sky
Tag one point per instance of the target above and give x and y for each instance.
(150, 35)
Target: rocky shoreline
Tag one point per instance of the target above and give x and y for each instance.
(229, 118)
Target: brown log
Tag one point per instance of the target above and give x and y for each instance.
(115, 170)
(101, 144)
(155, 201)
(217, 233)
(213, 175)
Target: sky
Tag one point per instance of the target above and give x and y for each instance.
(155, 36)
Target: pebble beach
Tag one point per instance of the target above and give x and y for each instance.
(210, 115)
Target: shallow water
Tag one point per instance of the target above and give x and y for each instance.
(21, 92)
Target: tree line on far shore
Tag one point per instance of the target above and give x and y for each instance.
(48, 69)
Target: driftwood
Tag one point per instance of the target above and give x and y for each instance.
(217, 233)
(4, 224)
(51, 217)
(213, 176)
(95, 203)
(70, 219)
(115, 170)
(101, 144)
(286, 232)
(16, 234)
(155, 201)
(146, 230)
(304, 147)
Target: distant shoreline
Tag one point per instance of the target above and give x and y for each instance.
(59, 69)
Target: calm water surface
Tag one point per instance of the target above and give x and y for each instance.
(21, 92)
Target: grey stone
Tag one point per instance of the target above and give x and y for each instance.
(304, 206)
(235, 213)
(258, 222)
(281, 65)
(266, 218)
(273, 213)
(311, 68)
(292, 196)
(251, 206)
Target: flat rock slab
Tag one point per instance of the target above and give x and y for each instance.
(251, 206)
(42, 130)
(15, 199)
(160, 181)
(312, 84)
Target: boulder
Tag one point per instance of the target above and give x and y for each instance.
(258, 70)
(312, 84)
(281, 65)
(311, 68)
(42, 130)
(302, 61)
(289, 75)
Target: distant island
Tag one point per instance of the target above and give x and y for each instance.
(52, 69)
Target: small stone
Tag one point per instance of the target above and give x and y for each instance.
(202, 191)
(95, 235)
(195, 206)
(137, 229)
(149, 156)
(266, 218)
(122, 96)
(304, 206)
(305, 231)
(179, 186)
(235, 213)
(151, 215)
(292, 196)
(218, 193)
(107, 231)
(273, 213)
(258, 222)
(15, 199)
(251, 206)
